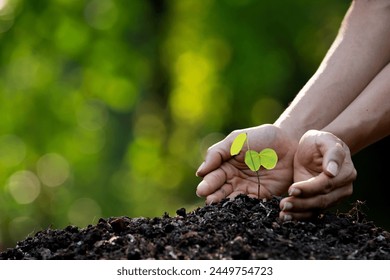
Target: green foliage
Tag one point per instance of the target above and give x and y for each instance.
(268, 158)
(238, 143)
(107, 107)
(254, 160)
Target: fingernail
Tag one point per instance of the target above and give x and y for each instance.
(294, 192)
(287, 206)
(202, 185)
(200, 188)
(332, 168)
(199, 169)
(287, 218)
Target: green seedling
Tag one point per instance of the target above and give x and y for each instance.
(254, 160)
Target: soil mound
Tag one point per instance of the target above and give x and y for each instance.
(243, 228)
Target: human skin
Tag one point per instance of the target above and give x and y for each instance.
(365, 121)
(226, 176)
(323, 176)
(367, 118)
(359, 53)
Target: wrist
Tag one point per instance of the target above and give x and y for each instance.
(290, 136)
(288, 126)
(344, 133)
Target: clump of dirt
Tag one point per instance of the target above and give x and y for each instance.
(243, 228)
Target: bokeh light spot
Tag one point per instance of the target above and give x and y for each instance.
(22, 73)
(3, 3)
(71, 36)
(6, 15)
(24, 186)
(53, 169)
(92, 115)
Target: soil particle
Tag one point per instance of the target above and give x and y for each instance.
(243, 228)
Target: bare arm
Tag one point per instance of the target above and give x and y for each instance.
(359, 53)
(364, 121)
(367, 119)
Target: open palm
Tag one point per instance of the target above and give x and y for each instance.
(227, 176)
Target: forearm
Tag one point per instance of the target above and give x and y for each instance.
(359, 53)
(367, 119)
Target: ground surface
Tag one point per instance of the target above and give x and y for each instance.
(240, 229)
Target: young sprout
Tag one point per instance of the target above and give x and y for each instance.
(254, 160)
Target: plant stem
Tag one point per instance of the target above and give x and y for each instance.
(247, 141)
(258, 184)
(257, 171)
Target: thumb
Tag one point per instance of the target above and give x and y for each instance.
(333, 156)
(332, 168)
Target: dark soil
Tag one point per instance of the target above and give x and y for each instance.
(243, 228)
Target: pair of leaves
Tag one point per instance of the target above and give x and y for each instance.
(254, 160)
(266, 158)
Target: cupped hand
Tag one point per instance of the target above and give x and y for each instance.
(227, 176)
(323, 176)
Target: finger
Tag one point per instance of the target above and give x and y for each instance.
(221, 193)
(215, 156)
(318, 202)
(323, 184)
(301, 216)
(316, 185)
(211, 182)
(334, 156)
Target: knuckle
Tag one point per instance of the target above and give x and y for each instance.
(219, 176)
(234, 133)
(223, 192)
(339, 151)
(212, 148)
(343, 149)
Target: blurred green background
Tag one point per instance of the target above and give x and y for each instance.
(107, 106)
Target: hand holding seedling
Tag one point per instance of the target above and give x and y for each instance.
(225, 175)
(323, 172)
(352, 85)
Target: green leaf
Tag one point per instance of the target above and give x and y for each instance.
(268, 158)
(252, 160)
(237, 144)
